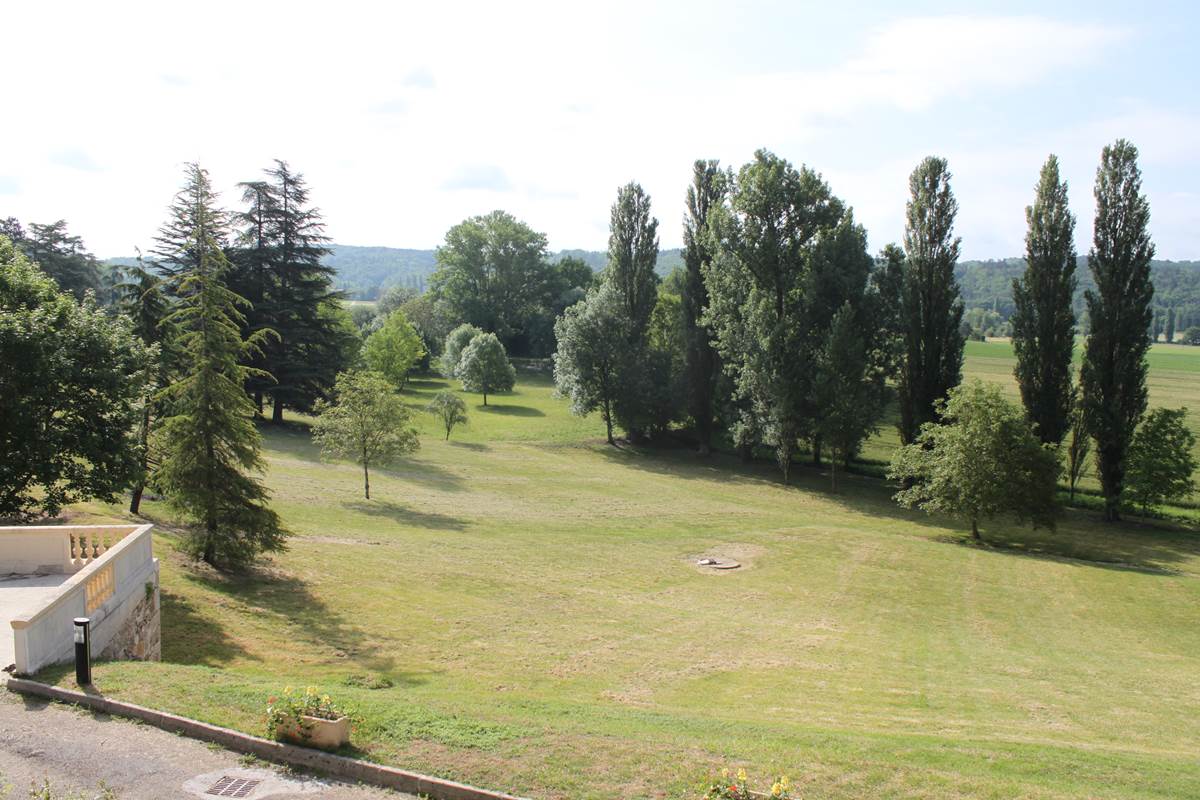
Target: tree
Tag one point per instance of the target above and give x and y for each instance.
(931, 307)
(1079, 446)
(850, 397)
(632, 256)
(62, 256)
(591, 353)
(701, 370)
(492, 273)
(1114, 358)
(1161, 461)
(283, 240)
(1043, 323)
(456, 341)
(983, 459)
(210, 445)
(449, 409)
(366, 422)
(484, 367)
(1171, 324)
(143, 299)
(764, 241)
(394, 349)
(1191, 336)
(70, 380)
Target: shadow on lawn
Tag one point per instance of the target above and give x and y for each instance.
(403, 515)
(288, 604)
(1082, 537)
(511, 411)
(193, 638)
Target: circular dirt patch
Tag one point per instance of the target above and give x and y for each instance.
(711, 562)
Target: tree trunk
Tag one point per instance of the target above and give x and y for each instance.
(277, 412)
(135, 497)
(833, 474)
(366, 482)
(816, 451)
(975, 530)
(485, 398)
(608, 422)
(258, 402)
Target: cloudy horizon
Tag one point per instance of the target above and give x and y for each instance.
(406, 121)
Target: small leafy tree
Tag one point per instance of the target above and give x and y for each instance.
(983, 460)
(456, 341)
(1161, 462)
(484, 367)
(450, 410)
(367, 422)
(1192, 335)
(1079, 445)
(70, 379)
(591, 352)
(394, 349)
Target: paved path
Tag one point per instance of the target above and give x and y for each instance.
(20, 594)
(76, 749)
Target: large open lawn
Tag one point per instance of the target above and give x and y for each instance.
(519, 608)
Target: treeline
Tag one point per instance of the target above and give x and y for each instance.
(987, 286)
(784, 333)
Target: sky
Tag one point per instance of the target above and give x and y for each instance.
(406, 119)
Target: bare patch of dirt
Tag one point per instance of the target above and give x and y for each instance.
(744, 553)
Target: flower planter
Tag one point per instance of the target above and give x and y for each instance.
(327, 734)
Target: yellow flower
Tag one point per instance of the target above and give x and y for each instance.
(784, 783)
(741, 774)
(325, 698)
(310, 691)
(724, 772)
(776, 790)
(287, 690)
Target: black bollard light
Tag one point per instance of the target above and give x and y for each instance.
(83, 651)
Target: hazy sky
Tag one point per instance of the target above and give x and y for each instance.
(405, 120)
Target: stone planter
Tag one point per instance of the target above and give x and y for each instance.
(327, 734)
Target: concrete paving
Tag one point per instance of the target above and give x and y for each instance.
(76, 749)
(20, 594)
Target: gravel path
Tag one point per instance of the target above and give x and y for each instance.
(76, 749)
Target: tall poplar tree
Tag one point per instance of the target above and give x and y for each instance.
(932, 308)
(1114, 360)
(632, 256)
(701, 368)
(1170, 324)
(1043, 323)
(210, 444)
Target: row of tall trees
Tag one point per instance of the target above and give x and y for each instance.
(786, 333)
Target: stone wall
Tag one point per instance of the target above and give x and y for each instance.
(140, 636)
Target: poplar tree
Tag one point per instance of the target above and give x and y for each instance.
(701, 368)
(932, 308)
(1114, 360)
(210, 444)
(1043, 323)
(632, 256)
(1171, 324)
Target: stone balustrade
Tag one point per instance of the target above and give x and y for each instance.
(114, 581)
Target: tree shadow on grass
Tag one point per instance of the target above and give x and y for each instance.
(288, 604)
(402, 515)
(510, 411)
(191, 638)
(1082, 537)
(475, 447)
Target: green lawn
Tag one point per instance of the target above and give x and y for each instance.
(519, 608)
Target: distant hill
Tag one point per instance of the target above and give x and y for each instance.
(988, 284)
(367, 272)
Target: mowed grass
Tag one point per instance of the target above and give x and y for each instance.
(519, 608)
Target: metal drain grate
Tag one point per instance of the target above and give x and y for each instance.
(233, 787)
